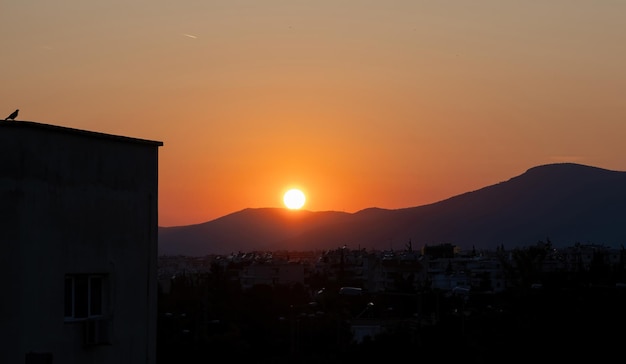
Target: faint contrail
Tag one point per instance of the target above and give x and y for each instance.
(190, 36)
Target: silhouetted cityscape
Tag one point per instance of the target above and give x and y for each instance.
(87, 285)
(352, 305)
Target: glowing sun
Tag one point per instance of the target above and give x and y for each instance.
(294, 199)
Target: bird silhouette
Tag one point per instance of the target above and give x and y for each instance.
(13, 115)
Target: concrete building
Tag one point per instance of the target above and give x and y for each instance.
(78, 238)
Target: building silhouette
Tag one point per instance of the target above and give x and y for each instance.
(78, 232)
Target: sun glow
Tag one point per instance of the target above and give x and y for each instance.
(294, 199)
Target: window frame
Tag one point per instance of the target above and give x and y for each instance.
(95, 289)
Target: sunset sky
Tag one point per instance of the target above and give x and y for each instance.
(359, 103)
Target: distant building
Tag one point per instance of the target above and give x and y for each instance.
(272, 274)
(444, 250)
(78, 232)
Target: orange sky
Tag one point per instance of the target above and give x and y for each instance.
(359, 103)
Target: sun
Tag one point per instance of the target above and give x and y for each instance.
(294, 199)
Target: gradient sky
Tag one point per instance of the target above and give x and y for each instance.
(359, 103)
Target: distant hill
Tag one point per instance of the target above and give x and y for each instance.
(564, 202)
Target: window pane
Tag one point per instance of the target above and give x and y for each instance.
(69, 301)
(95, 290)
(81, 298)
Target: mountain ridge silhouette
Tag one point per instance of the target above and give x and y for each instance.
(563, 202)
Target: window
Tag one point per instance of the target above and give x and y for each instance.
(84, 296)
(38, 358)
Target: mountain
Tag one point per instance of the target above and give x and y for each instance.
(564, 202)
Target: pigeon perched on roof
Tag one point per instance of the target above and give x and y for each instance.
(13, 115)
